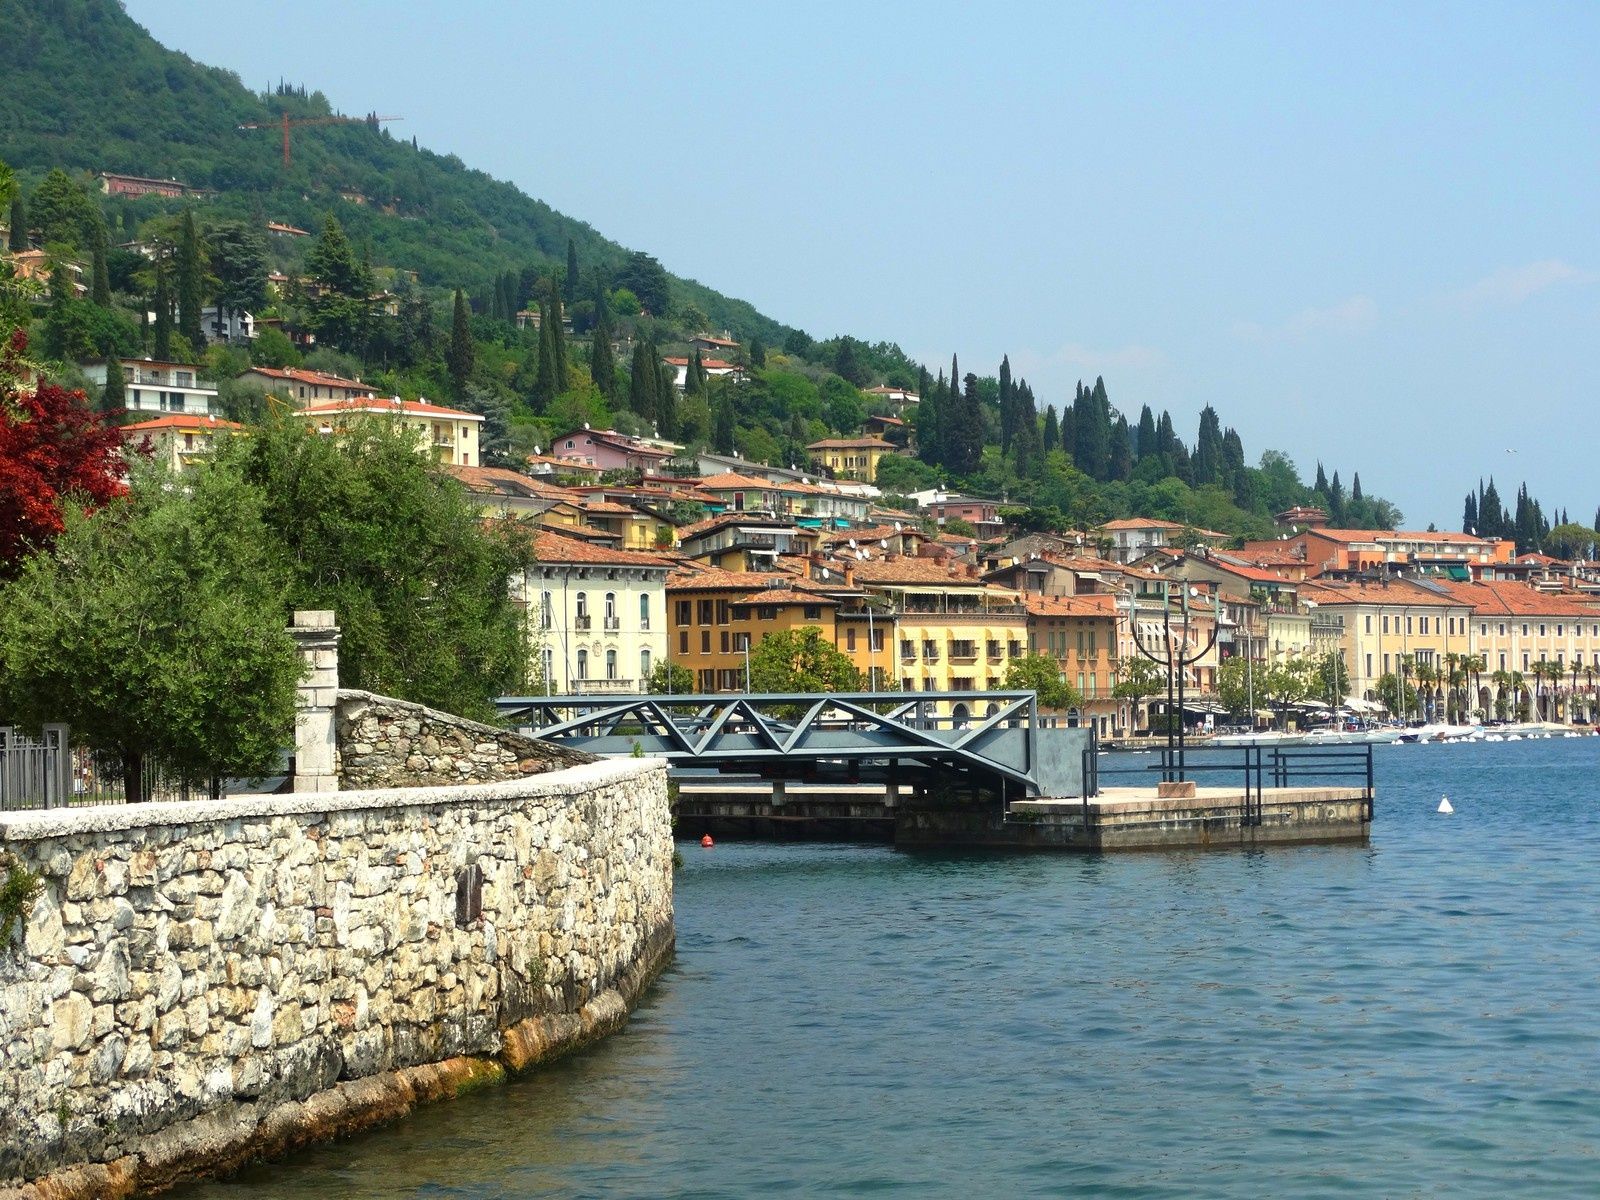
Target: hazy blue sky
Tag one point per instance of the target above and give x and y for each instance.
(1361, 232)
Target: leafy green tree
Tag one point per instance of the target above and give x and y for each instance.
(1288, 682)
(758, 353)
(239, 261)
(272, 348)
(384, 538)
(342, 308)
(8, 184)
(1332, 678)
(1234, 685)
(645, 278)
(460, 357)
(670, 678)
(191, 282)
(1042, 674)
(1137, 678)
(155, 627)
(799, 661)
(62, 212)
(1571, 541)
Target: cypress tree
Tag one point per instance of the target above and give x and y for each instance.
(1469, 514)
(572, 270)
(544, 384)
(114, 397)
(18, 239)
(1355, 487)
(602, 365)
(642, 383)
(191, 294)
(722, 434)
(758, 353)
(667, 405)
(694, 383)
(100, 291)
(1208, 447)
(929, 422)
(1121, 464)
(461, 355)
(1052, 430)
(1026, 451)
(162, 338)
(1145, 442)
(1321, 484)
(1008, 416)
(558, 343)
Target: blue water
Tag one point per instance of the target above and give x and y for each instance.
(1415, 1017)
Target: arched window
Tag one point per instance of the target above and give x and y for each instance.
(644, 669)
(644, 611)
(611, 610)
(582, 611)
(549, 667)
(583, 664)
(611, 664)
(545, 611)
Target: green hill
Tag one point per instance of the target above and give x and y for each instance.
(87, 89)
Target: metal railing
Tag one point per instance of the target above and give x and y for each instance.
(35, 772)
(1259, 768)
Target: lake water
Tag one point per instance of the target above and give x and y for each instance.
(1416, 1017)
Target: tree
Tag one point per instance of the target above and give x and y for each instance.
(602, 364)
(722, 433)
(99, 272)
(394, 546)
(342, 307)
(90, 632)
(191, 283)
(758, 353)
(643, 382)
(113, 398)
(1288, 682)
(1235, 683)
(162, 333)
(571, 288)
(1042, 674)
(62, 212)
(17, 239)
(799, 661)
(52, 445)
(1138, 677)
(965, 444)
(1052, 430)
(694, 383)
(239, 261)
(459, 358)
(646, 279)
(668, 678)
(272, 348)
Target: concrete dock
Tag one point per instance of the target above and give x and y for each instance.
(1124, 818)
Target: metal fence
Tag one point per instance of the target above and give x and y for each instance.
(35, 772)
(1258, 769)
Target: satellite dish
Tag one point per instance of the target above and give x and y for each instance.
(852, 543)
(884, 543)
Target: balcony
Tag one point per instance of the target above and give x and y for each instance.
(583, 621)
(612, 687)
(612, 624)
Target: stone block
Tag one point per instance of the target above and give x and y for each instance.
(1176, 790)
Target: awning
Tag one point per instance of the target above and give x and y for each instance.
(1357, 705)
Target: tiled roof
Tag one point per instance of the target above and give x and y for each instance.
(179, 422)
(863, 443)
(1504, 598)
(904, 570)
(555, 548)
(370, 404)
(733, 481)
(1398, 593)
(785, 596)
(1104, 605)
(498, 479)
(1141, 523)
(312, 378)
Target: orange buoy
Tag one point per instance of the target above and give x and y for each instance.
(707, 842)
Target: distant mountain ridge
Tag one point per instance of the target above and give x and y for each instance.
(86, 88)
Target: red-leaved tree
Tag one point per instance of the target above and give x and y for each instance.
(52, 446)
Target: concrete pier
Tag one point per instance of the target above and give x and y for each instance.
(1115, 819)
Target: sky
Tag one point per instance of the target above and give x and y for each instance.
(1366, 233)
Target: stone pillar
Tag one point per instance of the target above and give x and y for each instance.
(316, 766)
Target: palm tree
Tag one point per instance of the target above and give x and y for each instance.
(1475, 665)
(1405, 664)
(1541, 671)
(1502, 684)
(1455, 674)
(1427, 676)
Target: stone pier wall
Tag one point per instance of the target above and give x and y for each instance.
(205, 982)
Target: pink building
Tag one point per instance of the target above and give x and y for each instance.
(611, 451)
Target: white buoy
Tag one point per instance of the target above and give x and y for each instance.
(1444, 805)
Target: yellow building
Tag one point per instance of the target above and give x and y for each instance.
(1516, 628)
(719, 617)
(1080, 633)
(1390, 626)
(851, 458)
(178, 440)
(448, 435)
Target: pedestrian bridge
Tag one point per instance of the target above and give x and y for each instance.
(856, 737)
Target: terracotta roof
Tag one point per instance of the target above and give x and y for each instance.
(179, 422)
(863, 443)
(391, 407)
(1504, 598)
(733, 518)
(550, 547)
(1398, 593)
(733, 481)
(905, 570)
(498, 479)
(872, 533)
(1141, 523)
(314, 378)
(709, 364)
(715, 341)
(1397, 535)
(606, 506)
(1103, 605)
(785, 596)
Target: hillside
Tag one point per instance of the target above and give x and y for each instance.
(87, 89)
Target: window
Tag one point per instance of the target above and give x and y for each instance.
(705, 641)
(1558, 631)
(583, 664)
(611, 610)
(813, 612)
(725, 642)
(644, 668)
(1408, 624)
(581, 620)
(549, 666)
(722, 612)
(850, 639)
(741, 642)
(644, 612)
(1541, 630)
(766, 612)
(611, 664)
(683, 641)
(908, 648)
(1422, 624)
(1369, 622)
(1386, 622)
(545, 614)
(703, 612)
(877, 639)
(1369, 660)
(684, 611)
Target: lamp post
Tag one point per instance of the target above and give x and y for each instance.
(1177, 660)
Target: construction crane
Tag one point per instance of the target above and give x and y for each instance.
(288, 121)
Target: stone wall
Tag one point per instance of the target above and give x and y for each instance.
(209, 981)
(384, 742)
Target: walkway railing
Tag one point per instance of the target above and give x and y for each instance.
(1260, 768)
(35, 772)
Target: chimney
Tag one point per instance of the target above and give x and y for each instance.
(849, 574)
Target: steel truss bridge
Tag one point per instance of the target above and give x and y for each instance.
(852, 737)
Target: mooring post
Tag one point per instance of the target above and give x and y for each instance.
(316, 766)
